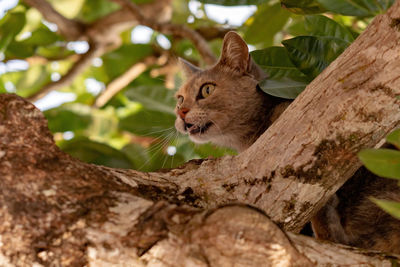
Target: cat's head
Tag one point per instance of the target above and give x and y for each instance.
(221, 104)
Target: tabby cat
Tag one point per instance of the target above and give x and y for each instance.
(225, 106)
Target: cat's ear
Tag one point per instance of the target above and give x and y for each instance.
(188, 68)
(235, 53)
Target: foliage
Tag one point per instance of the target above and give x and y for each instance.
(386, 163)
(294, 42)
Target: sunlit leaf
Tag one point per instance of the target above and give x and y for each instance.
(68, 8)
(382, 162)
(391, 207)
(319, 25)
(312, 54)
(32, 80)
(267, 21)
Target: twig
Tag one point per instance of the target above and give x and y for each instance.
(168, 28)
(122, 81)
(80, 65)
(70, 29)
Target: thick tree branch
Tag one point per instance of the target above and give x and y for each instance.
(55, 210)
(293, 169)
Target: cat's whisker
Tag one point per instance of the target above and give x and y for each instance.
(172, 128)
(156, 147)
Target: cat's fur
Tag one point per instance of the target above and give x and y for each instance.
(237, 112)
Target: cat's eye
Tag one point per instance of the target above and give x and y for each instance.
(180, 100)
(206, 90)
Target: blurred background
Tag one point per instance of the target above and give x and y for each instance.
(104, 72)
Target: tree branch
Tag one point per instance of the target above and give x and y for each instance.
(70, 29)
(168, 28)
(123, 80)
(80, 65)
(55, 210)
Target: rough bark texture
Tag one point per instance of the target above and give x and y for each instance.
(58, 211)
(55, 210)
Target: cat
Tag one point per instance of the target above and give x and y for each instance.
(224, 105)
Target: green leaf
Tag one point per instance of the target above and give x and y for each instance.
(118, 61)
(97, 153)
(361, 8)
(266, 22)
(302, 6)
(394, 138)
(148, 123)
(19, 50)
(54, 51)
(275, 61)
(42, 36)
(285, 87)
(95, 9)
(382, 162)
(319, 25)
(391, 207)
(32, 80)
(69, 117)
(234, 2)
(156, 98)
(2, 88)
(210, 150)
(11, 25)
(312, 54)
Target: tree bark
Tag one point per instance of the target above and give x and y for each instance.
(57, 211)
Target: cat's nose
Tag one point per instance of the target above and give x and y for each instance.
(182, 112)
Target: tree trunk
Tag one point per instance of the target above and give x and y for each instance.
(57, 211)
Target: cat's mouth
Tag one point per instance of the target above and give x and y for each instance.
(195, 129)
